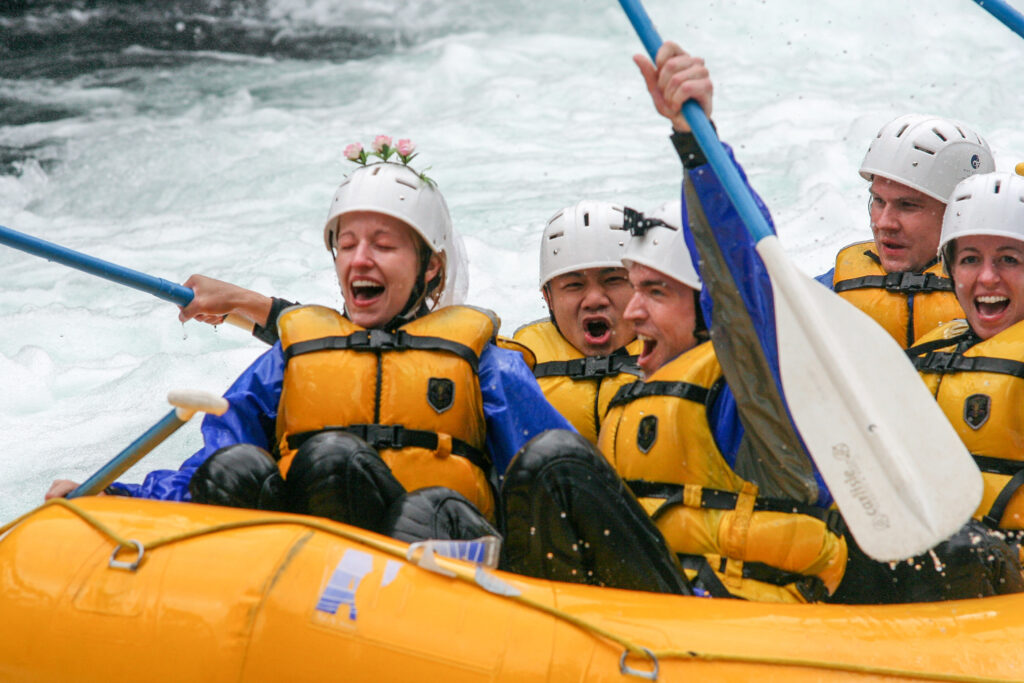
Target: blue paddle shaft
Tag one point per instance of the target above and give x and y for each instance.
(734, 186)
(158, 287)
(1005, 13)
(106, 475)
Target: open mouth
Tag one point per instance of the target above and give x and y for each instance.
(649, 345)
(991, 305)
(364, 291)
(597, 330)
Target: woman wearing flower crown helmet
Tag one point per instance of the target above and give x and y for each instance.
(404, 390)
(975, 367)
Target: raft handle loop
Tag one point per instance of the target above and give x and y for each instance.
(129, 566)
(427, 558)
(627, 670)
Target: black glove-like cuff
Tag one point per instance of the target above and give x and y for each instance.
(688, 150)
(268, 333)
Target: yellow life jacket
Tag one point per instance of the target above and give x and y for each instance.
(906, 304)
(579, 387)
(658, 438)
(413, 394)
(980, 387)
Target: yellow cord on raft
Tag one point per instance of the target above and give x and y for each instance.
(466, 575)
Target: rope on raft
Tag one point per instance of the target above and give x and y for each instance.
(468, 576)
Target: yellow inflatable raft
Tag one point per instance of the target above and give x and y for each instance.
(198, 593)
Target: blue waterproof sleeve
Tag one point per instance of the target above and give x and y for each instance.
(827, 278)
(253, 400)
(735, 248)
(514, 406)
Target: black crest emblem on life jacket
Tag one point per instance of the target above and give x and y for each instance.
(440, 393)
(647, 433)
(976, 410)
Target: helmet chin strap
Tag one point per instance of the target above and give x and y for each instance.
(416, 305)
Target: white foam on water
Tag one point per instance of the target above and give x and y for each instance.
(226, 166)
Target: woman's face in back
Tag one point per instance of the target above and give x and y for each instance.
(989, 274)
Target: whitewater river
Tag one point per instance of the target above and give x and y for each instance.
(206, 136)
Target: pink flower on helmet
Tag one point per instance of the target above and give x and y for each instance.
(354, 152)
(381, 143)
(406, 147)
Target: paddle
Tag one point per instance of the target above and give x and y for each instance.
(900, 475)
(188, 404)
(158, 287)
(1005, 13)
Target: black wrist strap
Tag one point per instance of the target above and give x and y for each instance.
(268, 333)
(687, 148)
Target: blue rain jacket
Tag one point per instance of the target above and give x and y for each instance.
(737, 247)
(515, 411)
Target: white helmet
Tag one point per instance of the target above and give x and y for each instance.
(927, 153)
(659, 244)
(585, 235)
(989, 204)
(396, 190)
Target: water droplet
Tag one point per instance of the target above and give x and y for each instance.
(607, 532)
(551, 556)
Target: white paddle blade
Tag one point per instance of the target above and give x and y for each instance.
(897, 469)
(190, 401)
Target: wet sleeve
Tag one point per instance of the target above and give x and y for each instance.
(515, 409)
(738, 303)
(253, 400)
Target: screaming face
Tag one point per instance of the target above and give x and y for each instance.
(664, 315)
(989, 274)
(377, 264)
(587, 306)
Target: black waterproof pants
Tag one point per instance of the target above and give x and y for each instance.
(568, 516)
(338, 476)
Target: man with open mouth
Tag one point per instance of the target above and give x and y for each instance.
(670, 447)
(585, 349)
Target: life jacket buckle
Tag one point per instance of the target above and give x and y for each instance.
(597, 366)
(907, 282)
(383, 436)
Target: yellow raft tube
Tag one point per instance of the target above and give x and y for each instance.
(234, 595)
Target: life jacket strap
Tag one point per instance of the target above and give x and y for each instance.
(397, 437)
(901, 282)
(635, 390)
(717, 499)
(379, 341)
(811, 588)
(946, 362)
(998, 509)
(593, 367)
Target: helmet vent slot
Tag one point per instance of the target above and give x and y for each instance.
(586, 220)
(555, 235)
(406, 182)
(902, 129)
(996, 186)
(939, 135)
(924, 149)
